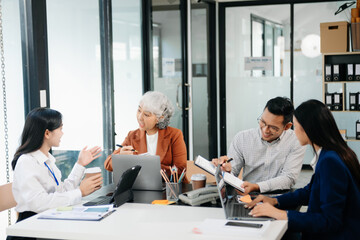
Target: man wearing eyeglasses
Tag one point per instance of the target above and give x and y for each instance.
(271, 156)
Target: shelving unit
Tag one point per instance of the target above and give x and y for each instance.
(343, 86)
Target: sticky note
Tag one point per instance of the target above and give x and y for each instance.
(60, 209)
(162, 202)
(245, 199)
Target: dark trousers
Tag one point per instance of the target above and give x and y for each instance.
(22, 216)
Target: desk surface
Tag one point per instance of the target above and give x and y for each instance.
(135, 221)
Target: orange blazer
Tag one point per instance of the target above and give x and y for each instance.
(170, 147)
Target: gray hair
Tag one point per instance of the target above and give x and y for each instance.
(159, 105)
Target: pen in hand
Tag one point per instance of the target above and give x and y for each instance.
(121, 146)
(227, 161)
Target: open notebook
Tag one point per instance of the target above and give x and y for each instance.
(210, 168)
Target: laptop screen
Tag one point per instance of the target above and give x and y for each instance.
(221, 185)
(233, 209)
(149, 178)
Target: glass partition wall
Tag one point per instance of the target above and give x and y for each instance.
(249, 86)
(262, 31)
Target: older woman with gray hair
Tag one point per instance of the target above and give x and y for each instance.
(154, 136)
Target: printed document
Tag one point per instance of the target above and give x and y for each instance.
(93, 213)
(210, 168)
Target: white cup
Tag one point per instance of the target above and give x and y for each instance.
(92, 171)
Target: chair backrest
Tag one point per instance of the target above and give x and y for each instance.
(191, 169)
(7, 200)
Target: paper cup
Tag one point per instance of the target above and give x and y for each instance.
(198, 181)
(92, 171)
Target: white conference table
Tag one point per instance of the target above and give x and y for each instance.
(137, 221)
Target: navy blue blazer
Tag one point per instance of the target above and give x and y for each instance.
(333, 200)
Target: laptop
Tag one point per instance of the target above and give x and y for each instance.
(149, 177)
(123, 191)
(233, 208)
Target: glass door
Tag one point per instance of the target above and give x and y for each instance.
(167, 55)
(187, 85)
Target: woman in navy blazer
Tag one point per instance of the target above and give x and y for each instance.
(333, 194)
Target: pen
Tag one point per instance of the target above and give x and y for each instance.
(227, 161)
(133, 150)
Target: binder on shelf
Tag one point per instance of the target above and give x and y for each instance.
(337, 101)
(328, 75)
(353, 101)
(357, 129)
(350, 72)
(358, 101)
(336, 72)
(343, 133)
(329, 100)
(357, 72)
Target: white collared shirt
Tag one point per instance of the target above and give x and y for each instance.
(151, 143)
(315, 159)
(35, 189)
(272, 166)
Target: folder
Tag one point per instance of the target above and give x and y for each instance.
(358, 101)
(353, 101)
(357, 72)
(328, 76)
(336, 72)
(350, 72)
(357, 136)
(337, 101)
(329, 100)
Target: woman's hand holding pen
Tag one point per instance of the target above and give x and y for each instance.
(224, 162)
(86, 156)
(126, 149)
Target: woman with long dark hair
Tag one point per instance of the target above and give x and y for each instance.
(333, 194)
(37, 182)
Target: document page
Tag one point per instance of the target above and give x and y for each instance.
(228, 177)
(205, 164)
(93, 213)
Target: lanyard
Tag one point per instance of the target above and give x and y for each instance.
(57, 183)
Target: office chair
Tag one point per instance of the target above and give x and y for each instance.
(7, 200)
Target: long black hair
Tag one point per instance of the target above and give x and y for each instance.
(320, 127)
(36, 123)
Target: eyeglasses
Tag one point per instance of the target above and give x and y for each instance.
(263, 124)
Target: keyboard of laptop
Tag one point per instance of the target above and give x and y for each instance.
(102, 200)
(238, 210)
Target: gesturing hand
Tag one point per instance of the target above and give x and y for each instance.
(90, 184)
(87, 156)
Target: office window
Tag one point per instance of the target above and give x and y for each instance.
(75, 77)
(127, 65)
(14, 94)
(267, 41)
